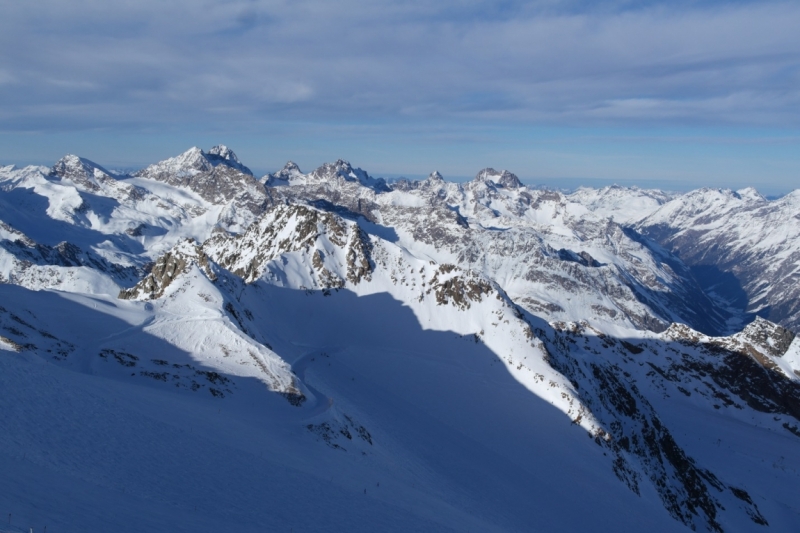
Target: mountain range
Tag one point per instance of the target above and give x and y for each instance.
(194, 348)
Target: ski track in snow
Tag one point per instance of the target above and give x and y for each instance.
(322, 403)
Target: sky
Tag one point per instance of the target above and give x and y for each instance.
(678, 94)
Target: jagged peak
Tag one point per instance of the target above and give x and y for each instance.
(224, 154)
(773, 338)
(503, 178)
(195, 160)
(296, 227)
(290, 172)
(80, 171)
(750, 193)
(435, 176)
(167, 269)
(678, 331)
(341, 167)
(71, 161)
(762, 334)
(344, 170)
(759, 323)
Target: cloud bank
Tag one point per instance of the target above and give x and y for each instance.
(246, 64)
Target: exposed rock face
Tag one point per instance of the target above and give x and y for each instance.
(451, 286)
(747, 364)
(288, 174)
(503, 178)
(223, 155)
(585, 313)
(742, 247)
(340, 172)
(167, 269)
(622, 383)
(63, 254)
(539, 243)
(746, 368)
(27, 263)
(217, 177)
(90, 177)
(81, 172)
(334, 186)
(338, 249)
(194, 162)
(359, 261)
(768, 337)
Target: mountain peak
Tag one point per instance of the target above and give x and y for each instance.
(344, 166)
(435, 176)
(503, 178)
(291, 165)
(289, 172)
(751, 194)
(71, 162)
(225, 155)
(343, 170)
(194, 161)
(224, 152)
(80, 171)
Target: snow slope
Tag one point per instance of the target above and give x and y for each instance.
(192, 349)
(146, 454)
(624, 205)
(554, 256)
(743, 247)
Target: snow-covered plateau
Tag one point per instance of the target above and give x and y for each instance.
(193, 348)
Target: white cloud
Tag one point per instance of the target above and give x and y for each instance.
(146, 61)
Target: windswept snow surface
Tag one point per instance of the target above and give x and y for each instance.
(192, 349)
(624, 205)
(456, 443)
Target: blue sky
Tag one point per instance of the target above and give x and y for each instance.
(674, 94)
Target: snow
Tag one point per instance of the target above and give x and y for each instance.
(741, 232)
(625, 205)
(317, 372)
(791, 359)
(138, 456)
(164, 216)
(401, 199)
(188, 163)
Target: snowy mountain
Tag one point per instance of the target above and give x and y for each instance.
(190, 348)
(624, 205)
(553, 256)
(126, 221)
(218, 178)
(743, 248)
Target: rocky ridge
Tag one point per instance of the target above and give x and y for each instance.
(599, 393)
(741, 246)
(218, 177)
(580, 311)
(538, 244)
